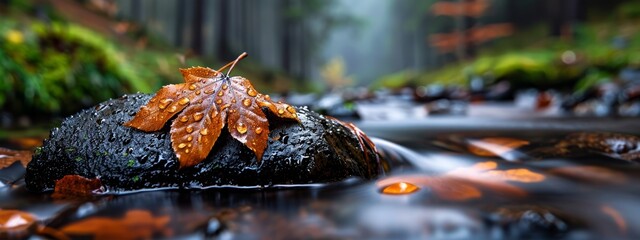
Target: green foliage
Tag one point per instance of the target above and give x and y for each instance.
(592, 57)
(629, 10)
(60, 68)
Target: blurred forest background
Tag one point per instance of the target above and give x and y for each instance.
(58, 56)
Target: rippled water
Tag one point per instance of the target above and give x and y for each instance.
(532, 179)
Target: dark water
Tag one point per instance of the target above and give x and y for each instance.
(544, 178)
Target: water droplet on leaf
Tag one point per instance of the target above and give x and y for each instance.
(197, 116)
(252, 92)
(246, 102)
(241, 127)
(291, 110)
(164, 103)
(183, 101)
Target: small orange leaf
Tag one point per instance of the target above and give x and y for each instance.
(76, 186)
(205, 103)
(400, 188)
(454, 189)
(516, 175)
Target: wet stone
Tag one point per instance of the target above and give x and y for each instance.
(139, 160)
(531, 222)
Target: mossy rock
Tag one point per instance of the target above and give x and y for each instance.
(95, 144)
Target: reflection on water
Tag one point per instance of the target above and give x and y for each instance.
(15, 224)
(400, 188)
(535, 184)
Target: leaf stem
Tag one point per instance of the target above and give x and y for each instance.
(233, 63)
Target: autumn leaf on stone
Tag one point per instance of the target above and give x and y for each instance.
(205, 103)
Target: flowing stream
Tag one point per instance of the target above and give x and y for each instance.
(511, 179)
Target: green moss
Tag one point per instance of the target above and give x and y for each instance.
(61, 67)
(131, 163)
(37, 151)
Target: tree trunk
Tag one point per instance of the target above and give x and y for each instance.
(223, 50)
(470, 46)
(286, 36)
(179, 23)
(196, 22)
(555, 9)
(136, 11)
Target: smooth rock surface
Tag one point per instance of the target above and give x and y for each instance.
(94, 144)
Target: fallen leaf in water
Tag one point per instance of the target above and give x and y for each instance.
(136, 224)
(494, 147)
(616, 216)
(454, 189)
(465, 183)
(516, 175)
(488, 172)
(206, 102)
(16, 224)
(400, 188)
(592, 174)
(543, 101)
(8, 157)
(483, 166)
(76, 186)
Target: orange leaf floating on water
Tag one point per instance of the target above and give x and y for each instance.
(136, 224)
(8, 157)
(205, 103)
(465, 183)
(400, 188)
(454, 189)
(492, 147)
(516, 175)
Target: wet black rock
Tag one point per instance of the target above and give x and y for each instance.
(531, 222)
(94, 144)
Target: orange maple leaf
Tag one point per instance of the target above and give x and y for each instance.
(207, 101)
